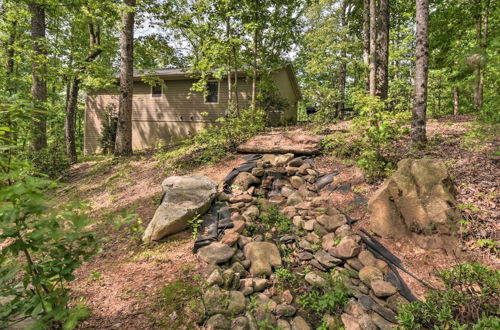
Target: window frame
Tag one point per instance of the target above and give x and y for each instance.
(156, 95)
(218, 92)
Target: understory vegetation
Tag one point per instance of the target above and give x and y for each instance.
(469, 300)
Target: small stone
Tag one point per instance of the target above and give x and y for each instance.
(263, 256)
(258, 172)
(332, 222)
(289, 211)
(309, 178)
(304, 256)
(312, 172)
(382, 289)
(244, 179)
(347, 248)
(285, 310)
(287, 239)
(309, 225)
(355, 263)
(259, 284)
(297, 181)
(287, 191)
(264, 302)
(315, 279)
(291, 171)
(246, 290)
(217, 322)
(315, 263)
(344, 230)
(223, 197)
(305, 245)
(240, 323)
(237, 303)
(319, 229)
(252, 212)
(298, 323)
(383, 266)
(354, 308)
(215, 278)
(245, 263)
(382, 323)
(395, 302)
(298, 222)
(350, 322)
(294, 199)
(231, 279)
(264, 316)
(287, 296)
(313, 237)
(327, 241)
(284, 325)
(238, 268)
(245, 198)
(216, 253)
(303, 168)
(238, 227)
(243, 240)
(230, 238)
(326, 259)
(296, 162)
(367, 258)
(282, 160)
(368, 274)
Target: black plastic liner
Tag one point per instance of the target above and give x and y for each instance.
(245, 167)
(325, 179)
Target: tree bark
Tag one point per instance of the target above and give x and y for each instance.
(373, 47)
(342, 65)
(383, 49)
(70, 119)
(123, 143)
(229, 86)
(455, 100)
(418, 122)
(255, 53)
(366, 41)
(482, 41)
(236, 96)
(38, 71)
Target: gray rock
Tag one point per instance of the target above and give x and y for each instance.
(367, 258)
(237, 303)
(265, 319)
(263, 256)
(216, 253)
(285, 310)
(297, 181)
(251, 212)
(347, 248)
(395, 302)
(294, 199)
(305, 245)
(309, 225)
(240, 323)
(215, 278)
(315, 279)
(218, 322)
(304, 256)
(370, 273)
(245, 198)
(298, 323)
(382, 289)
(284, 325)
(332, 222)
(282, 160)
(244, 179)
(382, 323)
(326, 259)
(296, 162)
(258, 172)
(185, 197)
(259, 284)
(243, 240)
(231, 279)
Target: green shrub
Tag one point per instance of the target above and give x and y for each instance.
(109, 126)
(330, 298)
(470, 299)
(43, 245)
(213, 142)
(51, 161)
(274, 218)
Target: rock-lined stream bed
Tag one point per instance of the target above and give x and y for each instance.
(291, 259)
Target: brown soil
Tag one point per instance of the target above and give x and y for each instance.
(121, 283)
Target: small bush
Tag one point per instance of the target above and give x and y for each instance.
(51, 161)
(470, 299)
(274, 218)
(109, 127)
(213, 142)
(43, 246)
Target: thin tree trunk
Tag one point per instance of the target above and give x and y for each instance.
(418, 122)
(255, 53)
(342, 66)
(236, 96)
(373, 47)
(11, 48)
(123, 143)
(229, 86)
(455, 100)
(366, 42)
(38, 68)
(70, 119)
(383, 49)
(482, 41)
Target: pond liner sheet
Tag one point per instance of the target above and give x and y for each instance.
(251, 162)
(216, 220)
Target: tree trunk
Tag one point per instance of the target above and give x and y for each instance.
(229, 86)
(482, 41)
(383, 49)
(11, 48)
(366, 41)
(255, 53)
(418, 122)
(342, 66)
(373, 47)
(455, 100)
(123, 143)
(70, 119)
(38, 69)
(236, 96)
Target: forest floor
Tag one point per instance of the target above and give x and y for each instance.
(126, 285)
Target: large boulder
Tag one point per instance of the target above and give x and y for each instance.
(279, 143)
(416, 200)
(184, 197)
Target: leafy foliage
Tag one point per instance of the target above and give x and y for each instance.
(470, 299)
(272, 217)
(43, 246)
(212, 143)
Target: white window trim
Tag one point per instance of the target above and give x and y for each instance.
(159, 96)
(218, 93)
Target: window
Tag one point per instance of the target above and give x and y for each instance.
(156, 90)
(212, 95)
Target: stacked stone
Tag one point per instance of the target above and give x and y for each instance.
(241, 292)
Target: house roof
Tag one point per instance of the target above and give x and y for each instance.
(181, 73)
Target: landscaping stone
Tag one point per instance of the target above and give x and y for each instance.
(216, 253)
(395, 302)
(326, 259)
(258, 172)
(347, 248)
(237, 303)
(230, 238)
(332, 222)
(251, 212)
(297, 181)
(215, 278)
(184, 198)
(294, 199)
(315, 279)
(282, 160)
(298, 323)
(263, 256)
(244, 180)
(218, 322)
(284, 325)
(240, 323)
(304, 256)
(259, 284)
(285, 310)
(245, 198)
(370, 273)
(382, 289)
(367, 258)
(382, 323)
